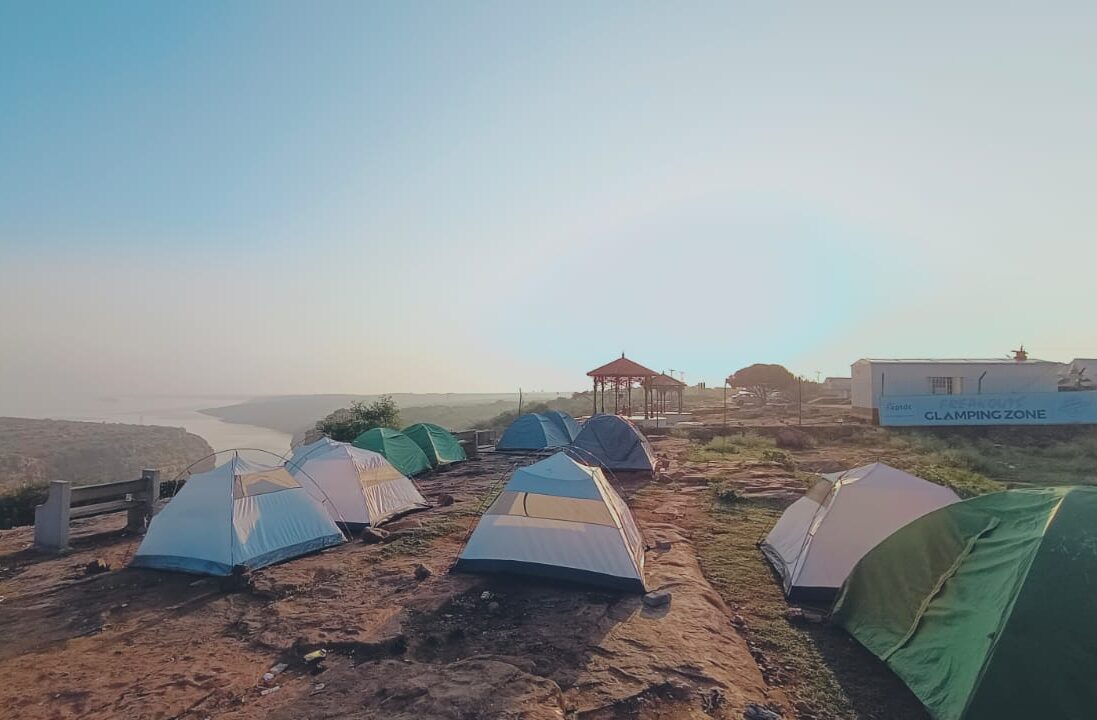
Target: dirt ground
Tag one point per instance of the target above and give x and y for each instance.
(146, 644)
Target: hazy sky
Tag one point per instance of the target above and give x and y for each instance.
(233, 197)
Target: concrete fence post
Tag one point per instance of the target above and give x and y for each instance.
(51, 519)
(138, 516)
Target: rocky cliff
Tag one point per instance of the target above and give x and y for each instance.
(33, 452)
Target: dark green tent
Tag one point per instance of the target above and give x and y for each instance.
(438, 443)
(984, 608)
(398, 449)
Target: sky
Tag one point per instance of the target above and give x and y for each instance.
(360, 197)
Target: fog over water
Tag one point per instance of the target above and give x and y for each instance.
(170, 410)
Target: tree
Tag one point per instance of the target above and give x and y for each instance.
(347, 424)
(761, 380)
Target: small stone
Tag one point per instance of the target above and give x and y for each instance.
(738, 621)
(657, 598)
(486, 595)
(374, 535)
(422, 572)
(794, 614)
(757, 712)
(444, 500)
(268, 691)
(317, 688)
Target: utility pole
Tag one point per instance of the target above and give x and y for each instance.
(725, 402)
(800, 382)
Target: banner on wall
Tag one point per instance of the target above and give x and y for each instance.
(1058, 408)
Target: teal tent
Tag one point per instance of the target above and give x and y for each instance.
(400, 450)
(533, 431)
(614, 443)
(437, 443)
(565, 422)
(984, 608)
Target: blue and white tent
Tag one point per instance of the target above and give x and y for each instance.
(533, 431)
(614, 443)
(565, 422)
(559, 519)
(239, 513)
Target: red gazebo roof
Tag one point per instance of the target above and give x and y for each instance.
(622, 367)
(664, 380)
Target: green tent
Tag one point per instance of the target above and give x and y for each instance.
(398, 449)
(984, 608)
(438, 443)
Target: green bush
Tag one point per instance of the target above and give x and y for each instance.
(780, 457)
(17, 506)
(347, 424)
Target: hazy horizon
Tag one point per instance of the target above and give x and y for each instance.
(269, 199)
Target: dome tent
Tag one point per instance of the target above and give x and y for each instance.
(565, 422)
(239, 513)
(437, 443)
(397, 448)
(533, 431)
(562, 520)
(362, 487)
(984, 608)
(820, 537)
(614, 443)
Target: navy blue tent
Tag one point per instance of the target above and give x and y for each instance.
(614, 443)
(532, 432)
(565, 422)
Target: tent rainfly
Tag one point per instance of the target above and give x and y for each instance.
(559, 519)
(614, 443)
(821, 536)
(984, 608)
(533, 431)
(238, 514)
(398, 449)
(362, 487)
(437, 443)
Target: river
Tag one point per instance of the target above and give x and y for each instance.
(171, 410)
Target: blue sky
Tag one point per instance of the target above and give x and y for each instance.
(364, 197)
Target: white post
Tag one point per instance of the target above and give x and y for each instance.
(51, 519)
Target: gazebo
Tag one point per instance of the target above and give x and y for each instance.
(622, 373)
(662, 385)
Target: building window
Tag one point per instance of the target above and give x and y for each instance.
(940, 386)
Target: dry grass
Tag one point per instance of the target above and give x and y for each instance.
(825, 672)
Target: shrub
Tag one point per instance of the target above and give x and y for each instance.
(348, 423)
(794, 439)
(779, 457)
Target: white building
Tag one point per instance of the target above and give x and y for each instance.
(839, 387)
(877, 378)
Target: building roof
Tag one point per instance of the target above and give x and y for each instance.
(664, 380)
(954, 361)
(622, 367)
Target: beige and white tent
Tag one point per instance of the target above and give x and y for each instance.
(559, 519)
(821, 536)
(359, 487)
